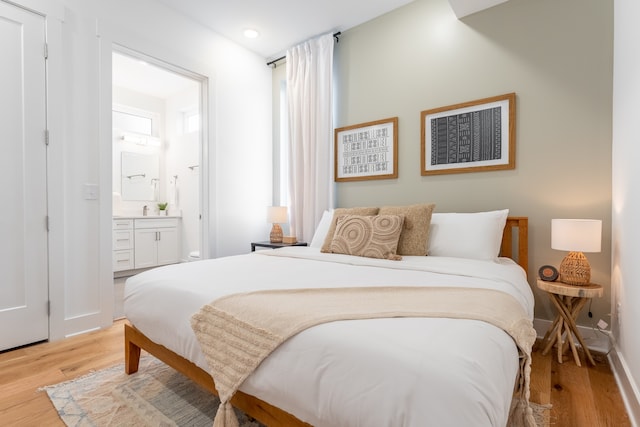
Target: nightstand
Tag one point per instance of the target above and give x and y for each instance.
(568, 300)
(268, 244)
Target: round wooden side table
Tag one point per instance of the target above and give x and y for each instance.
(568, 300)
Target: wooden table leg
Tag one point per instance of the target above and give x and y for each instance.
(550, 336)
(559, 340)
(574, 327)
(569, 311)
(572, 345)
(562, 311)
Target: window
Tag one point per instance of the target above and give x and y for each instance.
(191, 121)
(132, 122)
(282, 194)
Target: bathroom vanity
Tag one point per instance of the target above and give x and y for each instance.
(145, 241)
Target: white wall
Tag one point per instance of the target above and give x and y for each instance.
(81, 34)
(182, 154)
(626, 200)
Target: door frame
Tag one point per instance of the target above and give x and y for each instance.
(110, 38)
(203, 81)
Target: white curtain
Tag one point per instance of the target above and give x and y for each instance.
(310, 105)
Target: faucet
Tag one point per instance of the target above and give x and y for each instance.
(145, 210)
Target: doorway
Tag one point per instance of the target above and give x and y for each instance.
(157, 159)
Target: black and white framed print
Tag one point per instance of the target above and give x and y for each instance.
(473, 136)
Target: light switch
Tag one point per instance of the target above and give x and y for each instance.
(91, 191)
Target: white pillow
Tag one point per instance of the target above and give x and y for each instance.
(467, 235)
(321, 230)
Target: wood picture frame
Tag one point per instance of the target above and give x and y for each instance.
(366, 151)
(472, 136)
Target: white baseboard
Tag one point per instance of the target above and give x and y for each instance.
(594, 339)
(628, 389)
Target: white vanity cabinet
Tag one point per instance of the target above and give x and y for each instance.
(122, 244)
(155, 242)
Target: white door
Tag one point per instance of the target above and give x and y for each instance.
(24, 287)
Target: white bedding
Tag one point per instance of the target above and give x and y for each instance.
(378, 372)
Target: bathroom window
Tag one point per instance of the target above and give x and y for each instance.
(191, 121)
(133, 123)
(135, 120)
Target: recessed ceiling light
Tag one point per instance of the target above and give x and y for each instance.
(250, 33)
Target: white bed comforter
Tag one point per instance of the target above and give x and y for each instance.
(379, 372)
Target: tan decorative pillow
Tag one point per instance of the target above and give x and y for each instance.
(368, 236)
(415, 233)
(343, 211)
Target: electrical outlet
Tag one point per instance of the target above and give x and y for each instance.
(90, 191)
(602, 324)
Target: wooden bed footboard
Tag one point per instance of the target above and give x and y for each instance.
(135, 341)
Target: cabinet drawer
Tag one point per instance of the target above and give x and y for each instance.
(122, 260)
(156, 223)
(122, 224)
(122, 240)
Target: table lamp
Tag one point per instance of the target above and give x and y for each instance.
(576, 236)
(276, 215)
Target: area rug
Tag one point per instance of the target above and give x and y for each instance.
(157, 395)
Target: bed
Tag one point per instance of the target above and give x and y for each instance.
(391, 371)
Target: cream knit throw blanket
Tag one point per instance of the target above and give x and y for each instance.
(237, 332)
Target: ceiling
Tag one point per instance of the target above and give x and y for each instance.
(281, 23)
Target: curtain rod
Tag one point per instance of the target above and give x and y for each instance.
(273, 62)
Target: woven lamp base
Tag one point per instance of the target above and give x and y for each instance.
(276, 234)
(575, 269)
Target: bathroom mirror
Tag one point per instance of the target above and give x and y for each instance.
(140, 175)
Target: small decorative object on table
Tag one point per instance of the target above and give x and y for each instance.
(162, 207)
(548, 273)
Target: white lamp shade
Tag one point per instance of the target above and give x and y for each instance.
(576, 235)
(277, 214)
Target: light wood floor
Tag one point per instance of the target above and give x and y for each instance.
(581, 396)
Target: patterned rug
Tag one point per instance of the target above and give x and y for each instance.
(157, 395)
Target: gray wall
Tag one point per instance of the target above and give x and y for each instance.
(556, 55)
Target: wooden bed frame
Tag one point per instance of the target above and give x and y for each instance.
(135, 341)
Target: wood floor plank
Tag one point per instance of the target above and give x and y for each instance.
(38, 411)
(609, 407)
(584, 396)
(540, 378)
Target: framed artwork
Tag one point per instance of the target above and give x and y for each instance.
(366, 151)
(469, 137)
